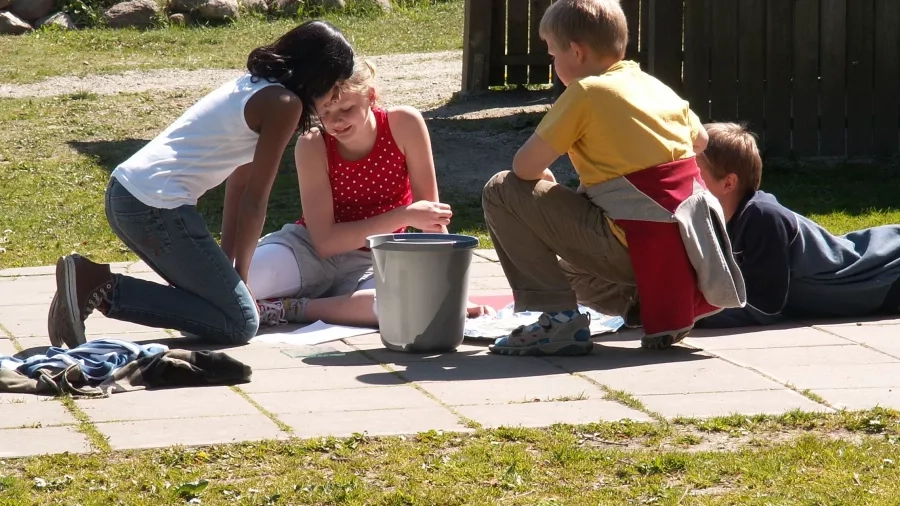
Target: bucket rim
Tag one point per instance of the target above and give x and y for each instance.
(421, 241)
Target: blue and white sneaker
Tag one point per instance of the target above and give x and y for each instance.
(565, 333)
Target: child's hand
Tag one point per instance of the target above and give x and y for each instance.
(428, 216)
(475, 310)
(548, 176)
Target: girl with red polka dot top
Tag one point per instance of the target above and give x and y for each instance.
(365, 171)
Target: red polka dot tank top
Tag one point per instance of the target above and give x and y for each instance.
(373, 185)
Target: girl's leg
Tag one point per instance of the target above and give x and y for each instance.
(207, 297)
(355, 309)
(274, 272)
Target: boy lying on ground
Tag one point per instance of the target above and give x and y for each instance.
(792, 266)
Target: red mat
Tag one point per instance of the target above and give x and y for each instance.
(495, 301)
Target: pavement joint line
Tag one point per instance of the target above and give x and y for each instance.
(85, 425)
(468, 422)
(864, 345)
(813, 397)
(268, 414)
(809, 394)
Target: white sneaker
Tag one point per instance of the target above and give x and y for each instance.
(271, 312)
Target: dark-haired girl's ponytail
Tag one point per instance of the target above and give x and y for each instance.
(265, 63)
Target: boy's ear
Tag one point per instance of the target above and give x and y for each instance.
(731, 182)
(579, 51)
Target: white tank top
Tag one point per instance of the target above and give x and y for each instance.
(196, 152)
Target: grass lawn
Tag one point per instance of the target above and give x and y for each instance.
(41, 54)
(56, 155)
(799, 458)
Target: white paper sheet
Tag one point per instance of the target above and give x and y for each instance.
(317, 333)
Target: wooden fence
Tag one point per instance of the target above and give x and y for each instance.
(811, 77)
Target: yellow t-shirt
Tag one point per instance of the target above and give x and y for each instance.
(619, 122)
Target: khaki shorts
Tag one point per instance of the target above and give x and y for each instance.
(322, 277)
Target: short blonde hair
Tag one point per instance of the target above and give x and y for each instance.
(732, 149)
(599, 24)
(362, 80)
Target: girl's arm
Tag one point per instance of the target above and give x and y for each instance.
(330, 238)
(411, 135)
(274, 112)
(234, 189)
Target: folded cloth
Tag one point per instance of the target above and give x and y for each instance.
(176, 368)
(96, 359)
(171, 368)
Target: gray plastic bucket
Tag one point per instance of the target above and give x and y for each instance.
(421, 289)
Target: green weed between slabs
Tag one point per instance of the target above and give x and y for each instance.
(56, 155)
(799, 458)
(421, 28)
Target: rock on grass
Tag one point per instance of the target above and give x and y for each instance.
(136, 13)
(60, 19)
(209, 9)
(253, 5)
(10, 24)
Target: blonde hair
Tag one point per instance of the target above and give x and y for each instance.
(599, 24)
(362, 80)
(732, 149)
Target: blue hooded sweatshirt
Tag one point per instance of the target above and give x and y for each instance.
(794, 268)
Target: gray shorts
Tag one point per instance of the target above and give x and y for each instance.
(322, 277)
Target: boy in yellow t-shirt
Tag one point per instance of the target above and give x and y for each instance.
(636, 225)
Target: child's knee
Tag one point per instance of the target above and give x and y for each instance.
(492, 189)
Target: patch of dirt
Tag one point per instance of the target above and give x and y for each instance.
(473, 137)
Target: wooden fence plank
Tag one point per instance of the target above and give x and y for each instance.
(697, 56)
(752, 65)
(860, 57)
(538, 74)
(724, 73)
(497, 74)
(517, 39)
(887, 77)
(632, 9)
(477, 46)
(833, 59)
(806, 78)
(779, 57)
(668, 39)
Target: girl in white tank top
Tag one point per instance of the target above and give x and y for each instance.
(235, 134)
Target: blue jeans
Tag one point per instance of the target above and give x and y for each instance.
(207, 297)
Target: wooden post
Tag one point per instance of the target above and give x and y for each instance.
(476, 45)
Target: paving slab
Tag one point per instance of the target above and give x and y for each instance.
(752, 402)
(34, 414)
(861, 398)
(262, 356)
(167, 403)
(356, 385)
(320, 378)
(542, 414)
(777, 336)
(344, 400)
(837, 355)
(884, 375)
(882, 337)
(189, 431)
(698, 375)
(42, 441)
(384, 422)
